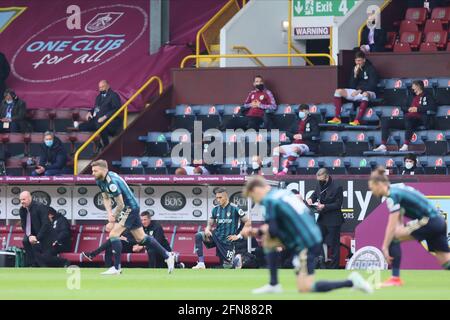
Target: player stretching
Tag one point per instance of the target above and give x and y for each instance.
(288, 223)
(426, 224)
(126, 215)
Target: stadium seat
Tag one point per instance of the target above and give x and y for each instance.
(370, 116)
(307, 165)
(132, 165)
(345, 249)
(436, 142)
(441, 13)
(416, 15)
(155, 165)
(416, 143)
(209, 116)
(16, 237)
(284, 116)
(90, 238)
(442, 121)
(413, 39)
(408, 26)
(156, 144)
(438, 38)
(184, 243)
(5, 233)
(184, 117)
(357, 165)
(36, 141)
(390, 163)
(355, 142)
(231, 166)
(335, 165)
(15, 166)
(390, 41)
(433, 25)
(402, 47)
(63, 120)
(395, 92)
(79, 138)
(443, 91)
(42, 120)
(332, 142)
(14, 144)
(434, 164)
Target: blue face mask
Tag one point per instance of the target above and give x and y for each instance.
(302, 114)
(49, 143)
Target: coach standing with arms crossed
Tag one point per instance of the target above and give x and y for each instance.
(36, 225)
(327, 199)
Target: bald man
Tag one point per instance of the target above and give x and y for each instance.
(106, 104)
(36, 226)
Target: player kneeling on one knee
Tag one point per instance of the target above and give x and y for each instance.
(227, 217)
(288, 223)
(303, 134)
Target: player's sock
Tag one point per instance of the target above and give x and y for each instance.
(105, 245)
(395, 251)
(325, 286)
(338, 104)
(362, 109)
(199, 246)
(150, 243)
(446, 265)
(272, 260)
(116, 245)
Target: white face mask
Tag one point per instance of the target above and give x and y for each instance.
(9, 101)
(255, 165)
(302, 115)
(409, 165)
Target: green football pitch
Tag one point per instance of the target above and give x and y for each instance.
(207, 284)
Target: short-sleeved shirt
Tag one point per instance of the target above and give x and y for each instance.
(227, 220)
(113, 185)
(409, 202)
(297, 229)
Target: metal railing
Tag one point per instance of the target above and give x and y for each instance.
(124, 109)
(308, 62)
(247, 50)
(273, 55)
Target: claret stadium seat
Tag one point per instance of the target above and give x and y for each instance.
(408, 41)
(184, 242)
(63, 120)
(441, 13)
(437, 38)
(416, 15)
(14, 144)
(433, 25)
(16, 237)
(42, 120)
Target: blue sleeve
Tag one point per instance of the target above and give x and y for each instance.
(214, 213)
(393, 203)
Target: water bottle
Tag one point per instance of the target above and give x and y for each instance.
(3, 243)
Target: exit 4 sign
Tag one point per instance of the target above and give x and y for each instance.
(322, 8)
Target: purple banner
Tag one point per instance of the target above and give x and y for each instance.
(56, 63)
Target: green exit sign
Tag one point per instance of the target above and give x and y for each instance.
(322, 8)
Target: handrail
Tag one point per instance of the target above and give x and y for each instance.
(385, 4)
(308, 62)
(274, 55)
(124, 109)
(244, 48)
(208, 24)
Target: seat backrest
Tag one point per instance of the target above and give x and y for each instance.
(355, 136)
(408, 26)
(434, 161)
(331, 136)
(16, 237)
(131, 162)
(435, 135)
(90, 238)
(412, 38)
(184, 242)
(357, 162)
(286, 109)
(155, 162)
(428, 47)
(418, 15)
(443, 111)
(206, 110)
(307, 162)
(394, 84)
(433, 25)
(390, 41)
(388, 111)
(438, 37)
(333, 162)
(183, 110)
(441, 13)
(230, 109)
(327, 108)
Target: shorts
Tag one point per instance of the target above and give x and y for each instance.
(359, 97)
(434, 233)
(290, 149)
(225, 249)
(306, 260)
(131, 219)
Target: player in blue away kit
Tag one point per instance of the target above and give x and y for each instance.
(289, 223)
(126, 215)
(426, 223)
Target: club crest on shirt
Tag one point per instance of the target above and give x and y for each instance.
(261, 97)
(112, 187)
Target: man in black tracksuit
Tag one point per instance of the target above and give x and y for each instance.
(327, 200)
(106, 104)
(53, 157)
(302, 134)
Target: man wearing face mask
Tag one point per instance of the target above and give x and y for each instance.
(12, 113)
(257, 166)
(106, 104)
(373, 39)
(362, 88)
(327, 201)
(53, 157)
(415, 111)
(258, 101)
(410, 165)
(302, 134)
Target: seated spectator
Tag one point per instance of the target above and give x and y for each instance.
(153, 228)
(415, 116)
(257, 166)
(4, 73)
(12, 113)
(410, 165)
(53, 157)
(258, 101)
(373, 39)
(302, 134)
(106, 104)
(194, 170)
(362, 87)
